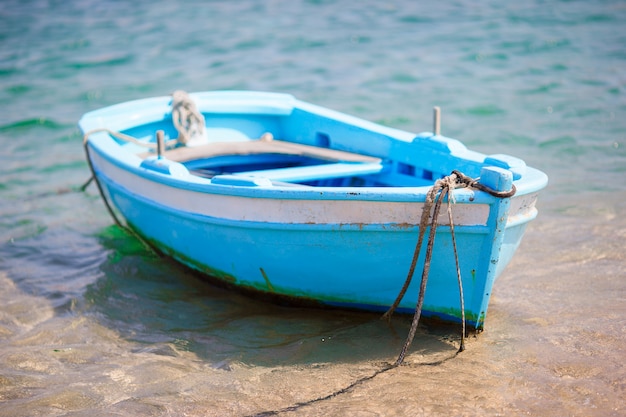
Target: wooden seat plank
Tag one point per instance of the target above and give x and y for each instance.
(252, 147)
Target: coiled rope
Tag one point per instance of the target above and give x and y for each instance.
(188, 121)
(185, 117)
(442, 188)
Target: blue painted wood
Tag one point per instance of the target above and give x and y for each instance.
(340, 234)
(315, 172)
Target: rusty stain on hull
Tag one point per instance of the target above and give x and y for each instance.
(267, 280)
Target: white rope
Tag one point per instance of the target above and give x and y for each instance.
(126, 138)
(188, 121)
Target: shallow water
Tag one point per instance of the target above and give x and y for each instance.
(93, 323)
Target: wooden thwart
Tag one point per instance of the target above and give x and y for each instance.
(210, 150)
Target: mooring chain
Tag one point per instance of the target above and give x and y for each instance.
(435, 197)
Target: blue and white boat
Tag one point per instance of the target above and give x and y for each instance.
(282, 198)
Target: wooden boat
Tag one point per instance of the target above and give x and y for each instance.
(282, 198)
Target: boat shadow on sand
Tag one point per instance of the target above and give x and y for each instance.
(166, 307)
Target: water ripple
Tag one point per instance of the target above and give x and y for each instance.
(35, 122)
(57, 264)
(102, 61)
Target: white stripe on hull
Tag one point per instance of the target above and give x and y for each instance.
(289, 211)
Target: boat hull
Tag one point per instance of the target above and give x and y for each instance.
(347, 247)
(349, 263)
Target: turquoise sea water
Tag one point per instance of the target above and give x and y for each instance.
(92, 323)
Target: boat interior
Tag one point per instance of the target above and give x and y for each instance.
(300, 149)
(281, 162)
(289, 164)
(270, 140)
